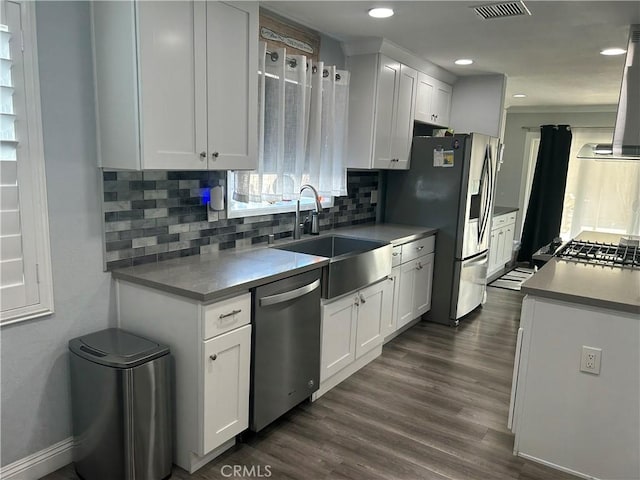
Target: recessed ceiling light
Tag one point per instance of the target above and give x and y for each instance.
(463, 61)
(613, 51)
(381, 12)
(519, 95)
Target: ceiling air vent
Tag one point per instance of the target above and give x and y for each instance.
(500, 10)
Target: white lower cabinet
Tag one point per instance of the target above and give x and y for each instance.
(339, 323)
(226, 360)
(501, 242)
(414, 296)
(211, 348)
(374, 307)
(352, 327)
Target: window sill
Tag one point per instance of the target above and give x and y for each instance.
(272, 210)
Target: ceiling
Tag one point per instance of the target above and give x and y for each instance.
(553, 56)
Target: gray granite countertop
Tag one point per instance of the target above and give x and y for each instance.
(503, 210)
(602, 286)
(215, 275)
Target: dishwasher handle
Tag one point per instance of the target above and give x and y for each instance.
(286, 296)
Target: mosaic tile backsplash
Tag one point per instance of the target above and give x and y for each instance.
(158, 215)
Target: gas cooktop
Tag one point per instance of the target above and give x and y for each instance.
(610, 254)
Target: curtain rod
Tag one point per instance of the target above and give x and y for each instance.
(293, 63)
(571, 126)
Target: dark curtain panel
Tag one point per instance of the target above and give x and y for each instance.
(544, 214)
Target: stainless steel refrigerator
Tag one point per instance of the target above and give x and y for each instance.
(450, 185)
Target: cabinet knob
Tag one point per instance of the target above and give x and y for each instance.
(419, 267)
(356, 301)
(362, 299)
(215, 154)
(213, 357)
(203, 155)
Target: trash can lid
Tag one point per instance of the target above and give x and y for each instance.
(117, 348)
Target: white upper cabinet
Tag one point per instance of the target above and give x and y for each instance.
(433, 101)
(381, 112)
(189, 74)
(232, 85)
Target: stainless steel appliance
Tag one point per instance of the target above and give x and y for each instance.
(353, 262)
(285, 363)
(625, 254)
(120, 392)
(450, 185)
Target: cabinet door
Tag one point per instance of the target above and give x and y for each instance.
(374, 310)
(493, 252)
(404, 113)
(226, 360)
(171, 57)
(232, 84)
(338, 335)
(390, 322)
(405, 295)
(423, 284)
(424, 98)
(500, 249)
(508, 244)
(442, 104)
(387, 90)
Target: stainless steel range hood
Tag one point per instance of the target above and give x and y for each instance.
(626, 136)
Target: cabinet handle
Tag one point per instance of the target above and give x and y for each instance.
(357, 301)
(390, 279)
(362, 299)
(419, 267)
(203, 155)
(215, 155)
(230, 314)
(213, 357)
(420, 247)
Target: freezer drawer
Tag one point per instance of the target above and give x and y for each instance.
(470, 283)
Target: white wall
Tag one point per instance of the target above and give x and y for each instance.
(36, 409)
(509, 188)
(477, 104)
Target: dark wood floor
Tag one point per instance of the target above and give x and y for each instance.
(433, 406)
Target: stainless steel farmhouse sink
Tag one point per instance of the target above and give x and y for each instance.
(354, 262)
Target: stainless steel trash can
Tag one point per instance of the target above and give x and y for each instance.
(120, 393)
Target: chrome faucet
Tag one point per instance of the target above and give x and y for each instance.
(297, 226)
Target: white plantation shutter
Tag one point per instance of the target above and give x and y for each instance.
(23, 225)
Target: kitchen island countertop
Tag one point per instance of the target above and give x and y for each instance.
(215, 275)
(616, 288)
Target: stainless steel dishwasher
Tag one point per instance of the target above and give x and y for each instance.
(285, 363)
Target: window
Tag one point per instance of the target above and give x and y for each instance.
(602, 196)
(265, 207)
(25, 265)
(302, 120)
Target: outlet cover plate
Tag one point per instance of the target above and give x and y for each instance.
(590, 360)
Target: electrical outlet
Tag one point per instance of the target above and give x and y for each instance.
(374, 197)
(590, 360)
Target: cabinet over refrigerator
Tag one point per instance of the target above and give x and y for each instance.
(450, 186)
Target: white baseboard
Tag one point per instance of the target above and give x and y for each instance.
(556, 467)
(41, 463)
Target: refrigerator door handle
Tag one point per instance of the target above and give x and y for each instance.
(489, 200)
(480, 260)
(483, 179)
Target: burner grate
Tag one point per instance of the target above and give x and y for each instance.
(601, 253)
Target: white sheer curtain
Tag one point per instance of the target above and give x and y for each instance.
(302, 130)
(603, 196)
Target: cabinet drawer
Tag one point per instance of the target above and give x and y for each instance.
(498, 222)
(225, 315)
(510, 218)
(396, 256)
(413, 250)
